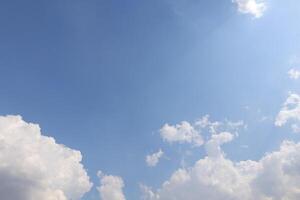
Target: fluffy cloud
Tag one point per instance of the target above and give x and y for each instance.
(190, 133)
(153, 159)
(294, 74)
(213, 148)
(111, 187)
(215, 177)
(289, 111)
(253, 7)
(33, 166)
(181, 133)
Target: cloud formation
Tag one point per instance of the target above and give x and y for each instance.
(294, 74)
(253, 7)
(111, 187)
(153, 159)
(213, 146)
(181, 133)
(215, 177)
(289, 111)
(191, 133)
(205, 124)
(33, 166)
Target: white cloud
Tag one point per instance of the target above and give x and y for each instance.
(205, 122)
(289, 111)
(213, 148)
(215, 127)
(111, 187)
(152, 160)
(33, 166)
(294, 74)
(253, 7)
(191, 133)
(147, 193)
(275, 176)
(181, 133)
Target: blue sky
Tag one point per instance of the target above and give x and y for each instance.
(104, 76)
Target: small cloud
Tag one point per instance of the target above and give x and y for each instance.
(153, 159)
(203, 122)
(192, 133)
(253, 7)
(111, 187)
(181, 133)
(147, 193)
(294, 74)
(289, 111)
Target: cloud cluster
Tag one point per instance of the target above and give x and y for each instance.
(111, 187)
(276, 176)
(215, 177)
(253, 7)
(294, 74)
(33, 166)
(153, 159)
(191, 133)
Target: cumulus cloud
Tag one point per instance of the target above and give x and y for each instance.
(191, 133)
(33, 166)
(213, 148)
(294, 74)
(153, 159)
(253, 7)
(181, 133)
(111, 187)
(215, 177)
(289, 111)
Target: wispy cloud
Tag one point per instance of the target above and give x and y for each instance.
(153, 159)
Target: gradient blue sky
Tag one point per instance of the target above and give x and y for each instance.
(103, 76)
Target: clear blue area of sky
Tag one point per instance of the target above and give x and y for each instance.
(102, 76)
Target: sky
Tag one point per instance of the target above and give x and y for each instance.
(149, 100)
